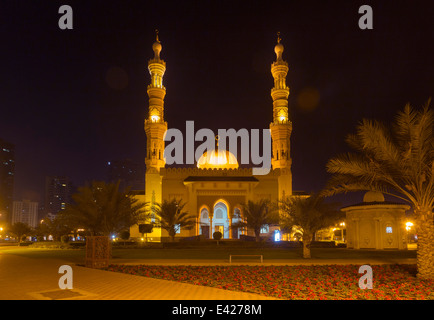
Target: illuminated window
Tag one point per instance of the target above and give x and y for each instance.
(178, 228)
(265, 228)
(276, 235)
(388, 229)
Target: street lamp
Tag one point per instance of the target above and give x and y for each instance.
(342, 224)
(408, 226)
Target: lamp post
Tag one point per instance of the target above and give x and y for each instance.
(408, 226)
(342, 224)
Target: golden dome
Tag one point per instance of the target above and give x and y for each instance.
(373, 196)
(217, 159)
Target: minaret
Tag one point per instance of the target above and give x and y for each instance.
(155, 126)
(281, 127)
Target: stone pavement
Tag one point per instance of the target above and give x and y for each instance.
(24, 278)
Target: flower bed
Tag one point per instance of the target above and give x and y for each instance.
(327, 282)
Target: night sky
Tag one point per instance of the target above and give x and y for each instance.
(71, 100)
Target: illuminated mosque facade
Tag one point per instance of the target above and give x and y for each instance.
(216, 188)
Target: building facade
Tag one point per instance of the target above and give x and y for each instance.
(215, 189)
(58, 192)
(376, 223)
(25, 211)
(7, 172)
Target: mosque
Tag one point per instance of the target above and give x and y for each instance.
(216, 188)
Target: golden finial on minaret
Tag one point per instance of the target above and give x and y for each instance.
(156, 35)
(157, 46)
(278, 49)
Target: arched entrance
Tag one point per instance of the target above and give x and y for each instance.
(204, 227)
(220, 219)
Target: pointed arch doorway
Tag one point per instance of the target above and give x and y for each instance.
(220, 219)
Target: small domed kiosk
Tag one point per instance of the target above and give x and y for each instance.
(376, 223)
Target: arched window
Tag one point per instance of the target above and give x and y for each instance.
(218, 214)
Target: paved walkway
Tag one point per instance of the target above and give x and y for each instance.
(24, 278)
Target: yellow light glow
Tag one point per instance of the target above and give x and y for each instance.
(217, 159)
(155, 118)
(282, 118)
(408, 225)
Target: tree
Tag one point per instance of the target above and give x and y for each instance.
(255, 215)
(56, 227)
(397, 161)
(102, 209)
(310, 214)
(20, 229)
(171, 217)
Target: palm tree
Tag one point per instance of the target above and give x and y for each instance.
(102, 209)
(255, 215)
(397, 161)
(172, 217)
(310, 214)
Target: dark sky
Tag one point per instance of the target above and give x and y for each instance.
(71, 100)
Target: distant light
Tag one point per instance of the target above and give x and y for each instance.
(109, 163)
(276, 235)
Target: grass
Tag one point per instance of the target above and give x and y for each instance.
(213, 253)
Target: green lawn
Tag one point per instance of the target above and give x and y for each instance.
(216, 253)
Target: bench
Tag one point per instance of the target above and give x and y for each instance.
(245, 255)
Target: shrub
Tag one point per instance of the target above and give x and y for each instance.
(217, 235)
(124, 235)
(64, 239)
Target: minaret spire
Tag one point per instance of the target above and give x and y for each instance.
(281, 127)
(155, 126)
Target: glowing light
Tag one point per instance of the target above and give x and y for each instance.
(155, 118)
(218, 159)
(408, 225)
(282, 118)
(277, 235)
